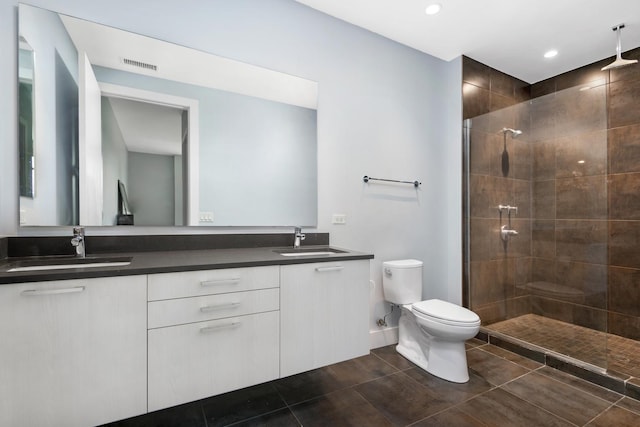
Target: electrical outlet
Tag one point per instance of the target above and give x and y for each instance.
(206, 216)
(339, 219)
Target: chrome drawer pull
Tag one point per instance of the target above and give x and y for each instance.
(209, 329)
(324, 269)
(34, 292)
(210, 308)
(227, 281)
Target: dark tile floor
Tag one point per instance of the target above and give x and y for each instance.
(384, 389)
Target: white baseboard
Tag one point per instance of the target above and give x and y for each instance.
(383, 337)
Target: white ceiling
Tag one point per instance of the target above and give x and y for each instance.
(149, 128)
(509, 35)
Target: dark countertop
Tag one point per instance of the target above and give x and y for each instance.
(172, 261)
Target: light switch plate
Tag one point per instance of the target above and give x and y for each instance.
(206, 216)
(339, 219)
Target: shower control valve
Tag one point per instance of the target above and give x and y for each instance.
(506, 232)
(508, 208)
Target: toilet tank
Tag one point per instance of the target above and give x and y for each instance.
(402, 281)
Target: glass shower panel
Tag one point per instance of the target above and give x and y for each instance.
(536, 218)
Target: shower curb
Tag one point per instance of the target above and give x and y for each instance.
(623, 384)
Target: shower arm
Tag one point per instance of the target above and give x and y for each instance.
(619, 41)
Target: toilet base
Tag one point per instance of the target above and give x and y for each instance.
(448, 360)
(444, 359)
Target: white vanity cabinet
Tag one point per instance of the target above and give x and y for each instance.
(324, 314)
(72, 352)
(211, 332)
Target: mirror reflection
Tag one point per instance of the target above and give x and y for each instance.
(189, 137)
(25, 118)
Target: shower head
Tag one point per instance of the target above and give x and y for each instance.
(619, 62)
(514, 132)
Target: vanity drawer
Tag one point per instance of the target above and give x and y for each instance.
(208, 282)
(196, 309)
(198, 360)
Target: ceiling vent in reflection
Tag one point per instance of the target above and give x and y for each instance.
(140, 64)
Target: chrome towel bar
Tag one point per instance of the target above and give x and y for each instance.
(414, 183)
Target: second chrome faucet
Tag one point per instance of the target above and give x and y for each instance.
(78, 241)
(298, 237)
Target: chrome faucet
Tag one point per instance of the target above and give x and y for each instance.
(78, 241)
(298, 237)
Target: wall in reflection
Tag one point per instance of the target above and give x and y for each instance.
(257, 157)
(55, 133)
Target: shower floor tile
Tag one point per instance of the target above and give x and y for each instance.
(611, 352)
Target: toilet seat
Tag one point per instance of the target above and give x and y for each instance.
(445, 312)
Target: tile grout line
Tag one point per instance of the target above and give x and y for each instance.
(373, 406)
(539, 407)
(599, 414)
(510, 361)
(288, 406)
(493, 387)
(389, 363)
(261, 415)
(588, 382)
(353, 386)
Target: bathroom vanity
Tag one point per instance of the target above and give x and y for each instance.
(86, 346)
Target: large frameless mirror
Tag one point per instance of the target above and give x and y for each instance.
(195, 139)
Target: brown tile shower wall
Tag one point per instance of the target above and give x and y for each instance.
(497, 271)
(486, 89)
(584, 219)
(596, 223)
(569, 250)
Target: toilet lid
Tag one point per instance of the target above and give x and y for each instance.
(403, 263)
(444, 310)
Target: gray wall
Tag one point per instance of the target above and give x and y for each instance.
(151, 188)
(66, 150)
(384, 110)
(114, 162)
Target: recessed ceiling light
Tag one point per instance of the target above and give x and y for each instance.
(432, 9)
(551, 53)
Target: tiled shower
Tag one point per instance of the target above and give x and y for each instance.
(570, 279)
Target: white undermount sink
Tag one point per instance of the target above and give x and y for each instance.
(69, 263)
(322, 251)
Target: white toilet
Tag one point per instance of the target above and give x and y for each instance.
(432, 332)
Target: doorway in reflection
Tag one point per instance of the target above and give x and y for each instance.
(142, 147)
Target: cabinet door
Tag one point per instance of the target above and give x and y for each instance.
(73, 352)
(324, 314)
(197, 360)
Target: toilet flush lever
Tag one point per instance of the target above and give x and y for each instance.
(387, 271)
